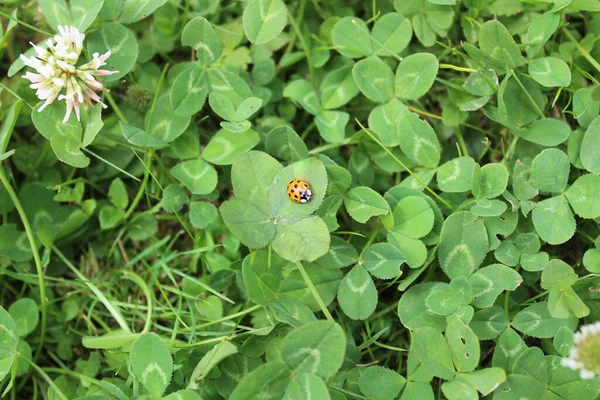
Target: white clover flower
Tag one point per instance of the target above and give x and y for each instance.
(585, 354)
(56, 70)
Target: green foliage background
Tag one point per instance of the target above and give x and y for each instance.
(450, 250)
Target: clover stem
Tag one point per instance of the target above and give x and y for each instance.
(439, 117)
(140, 282)
(25, 24)
(370, 240)
(434, 194)
(350, 233)
(227, 318)
(466, 204)
(374, 9)
(349, 393)
(141, 192)
(121, 170)
(269, 257)
(263, 331)
(374, 39)
(110, 306)
(450, 49)
(531, 300)
(40, 371)
(305, 133)
(473, 21)
(36, 256)
(507, 297)
(510, 149)
(298, 32)
(73, 374)
(387, 346)
(528, 95)
(330, 146)
(587, 75)
(4, 87)
(585, 235)
(390, 308)
(299, 19)
(457, 68)
(461, 141)
(582, 50)
(314, 292)
(318, 9)
(74, 181)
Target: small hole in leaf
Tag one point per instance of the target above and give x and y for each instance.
(506, 390)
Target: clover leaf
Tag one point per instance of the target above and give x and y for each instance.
(263, 213)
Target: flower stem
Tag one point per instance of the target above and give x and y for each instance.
(36, 256)
(161, 80)
(115, 107)
(148, 152)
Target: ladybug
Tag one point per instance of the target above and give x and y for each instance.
(299, 191)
